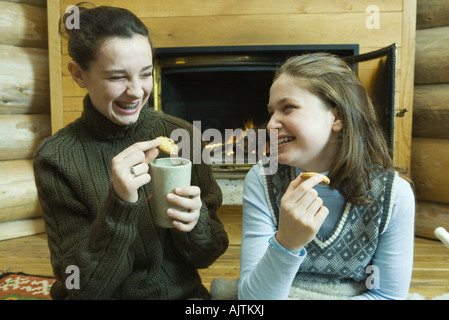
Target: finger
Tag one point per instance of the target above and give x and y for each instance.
(314, 206)
(139, 169)
(184, 201)
(139, 147)
(183, 217)
(312, 181)
(301, 196)
(321, 215)
(183, 221)
(141, 180)
(151, 154)
(189, 191)
(184, 227)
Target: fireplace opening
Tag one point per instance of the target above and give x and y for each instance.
(229, 98)
(226, 89)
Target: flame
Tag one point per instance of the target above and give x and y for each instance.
(234, 140)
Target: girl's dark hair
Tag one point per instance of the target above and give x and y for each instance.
(362, 143)
(97, 24)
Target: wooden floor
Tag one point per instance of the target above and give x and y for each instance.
(430, 271)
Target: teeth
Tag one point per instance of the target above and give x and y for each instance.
(127, 106)
(285, 140)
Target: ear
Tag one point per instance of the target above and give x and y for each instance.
(337, 124)
(77, 73)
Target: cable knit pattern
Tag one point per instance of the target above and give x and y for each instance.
(119, 250)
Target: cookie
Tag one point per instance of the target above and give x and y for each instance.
(307, 175)
(168, 145)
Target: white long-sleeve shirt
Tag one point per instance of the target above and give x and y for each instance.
(267, 271)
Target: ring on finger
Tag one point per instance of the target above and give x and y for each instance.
(133, 171)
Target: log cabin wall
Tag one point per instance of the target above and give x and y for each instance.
(24, 112)
(430, 143)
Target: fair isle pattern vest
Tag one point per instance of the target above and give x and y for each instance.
(342, 257)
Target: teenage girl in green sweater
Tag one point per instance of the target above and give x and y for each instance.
(97, 214)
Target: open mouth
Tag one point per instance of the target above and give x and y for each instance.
(285, 140)
(127, 106)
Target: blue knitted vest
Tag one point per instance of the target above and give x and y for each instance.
(342, 257)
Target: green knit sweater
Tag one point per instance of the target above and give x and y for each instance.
(119, 251)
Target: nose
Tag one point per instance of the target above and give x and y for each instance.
(134, 89)
(274, 122)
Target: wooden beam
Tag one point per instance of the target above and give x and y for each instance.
(429, 216)
(23, 25)
(22, 134)
(24, 80)
(21, 228)
(54, 48)
(432, 56)
(432, 13)
(431, 111)
(404, 83)
(430, 160)
(18, 193)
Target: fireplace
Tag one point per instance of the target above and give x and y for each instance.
(226, 89)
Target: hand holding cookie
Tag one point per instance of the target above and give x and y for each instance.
(130, 169)
(301, 212)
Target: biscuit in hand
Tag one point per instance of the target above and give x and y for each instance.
(307, 175)
(167, 145)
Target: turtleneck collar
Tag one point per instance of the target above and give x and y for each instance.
(105, 128)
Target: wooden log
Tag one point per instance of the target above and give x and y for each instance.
(21, 134)
(39, 3)
(21, 228)
(429, 163)
(188, 8)
(432, 56)
(429, 216)
(431, 111)
(24, 80)
(432, 13)
(23, 25)
(18, 193)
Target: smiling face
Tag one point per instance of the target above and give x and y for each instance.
(307, 127)
(119, 80)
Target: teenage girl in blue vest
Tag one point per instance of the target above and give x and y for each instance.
(350, 239)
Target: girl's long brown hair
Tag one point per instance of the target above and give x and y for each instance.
(362, 143)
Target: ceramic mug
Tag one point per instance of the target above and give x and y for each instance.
(167, 174)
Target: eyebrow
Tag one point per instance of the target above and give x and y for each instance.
(124, 71)
(283, 100)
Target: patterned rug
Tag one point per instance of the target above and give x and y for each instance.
(20, 286)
